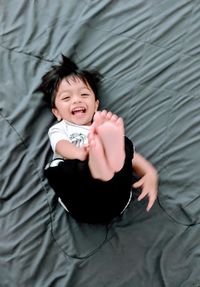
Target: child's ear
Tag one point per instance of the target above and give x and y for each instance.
(56, 114)
(97, 105)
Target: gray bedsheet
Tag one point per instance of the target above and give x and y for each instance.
(149, 54)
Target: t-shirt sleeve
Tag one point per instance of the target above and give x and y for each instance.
(56, 133)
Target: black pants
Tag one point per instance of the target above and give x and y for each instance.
(87, 199)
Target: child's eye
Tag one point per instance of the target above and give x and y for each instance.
(67, 98)
(84, 95)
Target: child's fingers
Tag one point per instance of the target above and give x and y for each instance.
(152, 199)
(142, 195)
(138, 184)
(150, 204)
(86, 147)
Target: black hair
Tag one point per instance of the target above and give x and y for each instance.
(67, 68)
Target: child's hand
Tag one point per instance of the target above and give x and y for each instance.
(83, 153)
(149, 185)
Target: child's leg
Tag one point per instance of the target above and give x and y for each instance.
(110, 129)
(97, 162)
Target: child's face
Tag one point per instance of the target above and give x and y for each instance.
(75, 102)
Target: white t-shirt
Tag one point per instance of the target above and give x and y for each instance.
(65, 130)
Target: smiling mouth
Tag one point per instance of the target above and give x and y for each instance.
(78, 111)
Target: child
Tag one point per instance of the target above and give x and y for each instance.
(93, 162)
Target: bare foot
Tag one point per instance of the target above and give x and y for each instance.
(101, 116)
(97, 162)
(110, 129)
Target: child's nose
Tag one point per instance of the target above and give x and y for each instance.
(77, 99)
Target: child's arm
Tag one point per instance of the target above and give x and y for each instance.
(69, 151)
(148, 181)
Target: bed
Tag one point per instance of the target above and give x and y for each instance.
(148, 53)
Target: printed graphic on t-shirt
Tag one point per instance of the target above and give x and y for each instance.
(78, 139)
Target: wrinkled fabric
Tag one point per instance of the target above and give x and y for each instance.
(148, 52)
